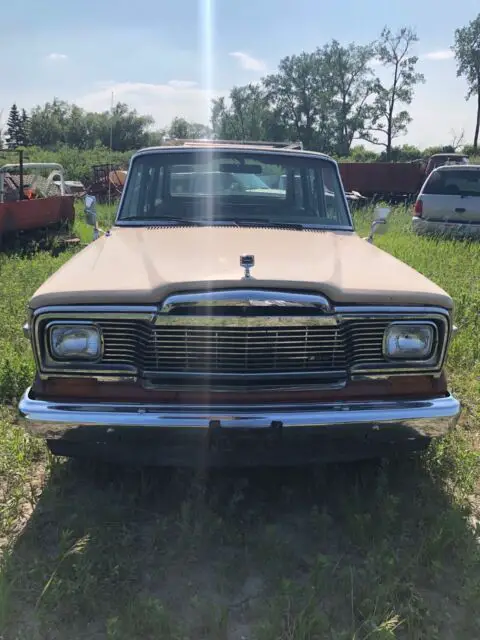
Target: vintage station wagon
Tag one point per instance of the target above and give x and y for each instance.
(223, 321)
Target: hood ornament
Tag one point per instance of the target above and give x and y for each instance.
(247, 262)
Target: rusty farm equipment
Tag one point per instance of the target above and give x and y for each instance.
(33, 198)
(107, 184)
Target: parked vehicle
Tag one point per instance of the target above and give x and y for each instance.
(208, 328)
(31, 201)
(393, 181)
(441, 159)
(449, 202)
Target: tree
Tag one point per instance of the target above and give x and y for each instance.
(467, 54)
(124, 128)
(319, 98)
(78, 129)
(14, 128)
(352, 84)
(48, 124)
(457, 139)
(248, 117)
(393, 50)
(179, 129)
(182, 129)
(24, 130)
(299, 99)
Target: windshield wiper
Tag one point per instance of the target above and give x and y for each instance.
(252, 222)
(159, 221)
(267, 223)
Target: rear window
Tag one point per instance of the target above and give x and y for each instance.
(227, 185)
(458, 182)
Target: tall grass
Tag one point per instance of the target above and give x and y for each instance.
(350, 553)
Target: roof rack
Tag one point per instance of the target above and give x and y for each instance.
(198, 142)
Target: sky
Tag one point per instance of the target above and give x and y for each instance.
(171, 57)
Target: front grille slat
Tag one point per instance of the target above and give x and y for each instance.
(226, 349)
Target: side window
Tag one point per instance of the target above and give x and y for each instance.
(131, 202)
(334, 202)
(325, 195)
(145, 190)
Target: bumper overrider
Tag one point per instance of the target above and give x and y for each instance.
(248, 435)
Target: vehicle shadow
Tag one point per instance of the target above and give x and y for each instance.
(343, 551)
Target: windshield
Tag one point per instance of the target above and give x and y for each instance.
(238, 186)
(456, 182)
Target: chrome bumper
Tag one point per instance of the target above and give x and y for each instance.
(424, 418)
(422, 226)
(270, 435)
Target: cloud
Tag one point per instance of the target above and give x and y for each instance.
(162, 101)
(55, 57)
(182, 84)
(248, 62)
(446, 54)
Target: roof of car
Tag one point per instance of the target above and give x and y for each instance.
(456, 167)
(449, 155)
(177, 146)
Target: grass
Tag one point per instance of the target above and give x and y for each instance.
(351, 552)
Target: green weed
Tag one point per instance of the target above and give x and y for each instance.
(351, 552)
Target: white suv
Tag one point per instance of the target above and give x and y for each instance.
(449, 201)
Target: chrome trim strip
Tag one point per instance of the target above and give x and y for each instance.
(245, 297)
(426, 417)
(278, 385)
(355, 310)
(331, 374)
(245, 321)
(142, 312)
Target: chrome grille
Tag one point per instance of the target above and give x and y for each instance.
(210, 349)
(326, 344)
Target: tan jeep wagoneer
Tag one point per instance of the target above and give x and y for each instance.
(232, 315)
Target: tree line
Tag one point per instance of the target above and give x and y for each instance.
(59, 123)
(331, 97)
(327, 99)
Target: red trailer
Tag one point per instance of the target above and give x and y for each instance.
(382, 179)
(392, 181)
(30, 201)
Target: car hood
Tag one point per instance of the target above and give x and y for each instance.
(133, 265)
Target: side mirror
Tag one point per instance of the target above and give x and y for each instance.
(381, 213)
(91, 210)
(379, 224)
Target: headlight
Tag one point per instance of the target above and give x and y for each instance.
(409, 341)
(75, 341)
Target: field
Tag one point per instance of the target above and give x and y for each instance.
(360, 551)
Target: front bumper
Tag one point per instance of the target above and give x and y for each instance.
(257, 434)
(437, 227)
